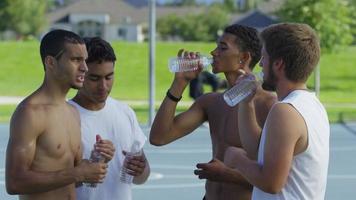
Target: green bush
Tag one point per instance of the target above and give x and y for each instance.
(332, 19)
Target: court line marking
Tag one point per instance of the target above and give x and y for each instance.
(343, 148)
(341, 176)
(169, 186)
(182, 151)
(182, 167)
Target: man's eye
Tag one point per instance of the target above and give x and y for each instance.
(222, 47)
(93, 78)
(109, 77)
(77, 59)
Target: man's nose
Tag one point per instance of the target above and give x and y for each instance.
(213, 52)
(83, 67)
(103, 84)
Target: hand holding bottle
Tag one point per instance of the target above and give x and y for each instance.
(190, 62)
(134, 163)
(105, 148)
(183, 77)
(95, 157)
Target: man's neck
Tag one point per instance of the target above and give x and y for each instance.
(87, 103)
(56, 93)
(284, 89)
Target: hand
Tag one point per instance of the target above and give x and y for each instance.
(106, 149)
(135, 164)
(91, 172)
(213, 171)
(190, 75)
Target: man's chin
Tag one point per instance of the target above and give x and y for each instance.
(76, 87)
(268, 87)
(100, 99)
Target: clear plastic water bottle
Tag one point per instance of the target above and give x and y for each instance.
(241, 90)
(95, 157)
(179, 64)
(135, 151)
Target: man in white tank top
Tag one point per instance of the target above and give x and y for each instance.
(289, 160)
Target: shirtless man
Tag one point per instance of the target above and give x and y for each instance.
(43, 157)
(293, 149)
(237, 50)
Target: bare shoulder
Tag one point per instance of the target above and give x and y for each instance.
(73, 110)
(264, 101)
(285, 118)
(208, 99)
(265, 98)
(286, 114)
(28, 112)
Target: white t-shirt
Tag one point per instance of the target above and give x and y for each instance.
(116, 122)
(308, 174)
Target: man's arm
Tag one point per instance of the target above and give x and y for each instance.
(166, 126)
(251, 118)
(25, 128)
(285, 127)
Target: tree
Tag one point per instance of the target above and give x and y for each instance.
(332, 19)
(194, 27)
(4, 22)
(182, 3)
(25, 17)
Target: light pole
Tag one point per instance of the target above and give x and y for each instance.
(152, 53)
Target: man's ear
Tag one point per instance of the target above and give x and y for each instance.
(245, 59)
(50, 62)
(278, 65)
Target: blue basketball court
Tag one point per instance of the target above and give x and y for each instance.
(172, 166)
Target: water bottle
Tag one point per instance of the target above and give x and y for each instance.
(241, 90)
(95, 157)
(179, 64)
(135, 151)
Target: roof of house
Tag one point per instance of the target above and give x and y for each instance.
(255, 19)
(118, 10)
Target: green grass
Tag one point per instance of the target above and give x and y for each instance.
(22, 72)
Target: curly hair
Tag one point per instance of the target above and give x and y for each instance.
(247, 40)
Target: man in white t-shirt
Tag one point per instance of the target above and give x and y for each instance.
(289, 159)
(113, 120)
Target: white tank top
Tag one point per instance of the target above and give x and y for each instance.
(308, 174)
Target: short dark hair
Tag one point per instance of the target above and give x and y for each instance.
(247, 40)
(99, 50)
(52, 44)
(296, 44)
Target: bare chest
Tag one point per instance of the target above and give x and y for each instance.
(61, 137)
(224, 128)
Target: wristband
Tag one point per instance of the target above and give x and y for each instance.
(173, 98)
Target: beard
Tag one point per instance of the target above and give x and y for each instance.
(270, 83)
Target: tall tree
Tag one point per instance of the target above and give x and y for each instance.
(26, 17)
(4, 22)
(332, 19)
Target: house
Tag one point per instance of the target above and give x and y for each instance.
(110, 19)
